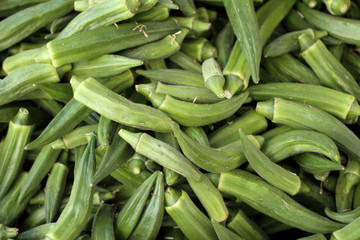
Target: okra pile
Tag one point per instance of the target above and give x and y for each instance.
(180, 119)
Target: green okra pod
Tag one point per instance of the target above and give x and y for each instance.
(25, 22)
(271, 172)
(287, 68)
(113, 39)
(159, 49)
(344, 29)
(213, 78)
(136, 164)
(195, 115)
(75, 138)
(300, 115)
(60, 23)
(337, 7)
(224, 233)
(54, 190)
(161, 153)
(40, 168)
(356, 200)
(36, 233)
(11, 160)
(102, 227)
(199, 48)
(187, 7)
(343, 198)
(198, 134)
(273, 202)
(174, 76)
(25, 80)
(206, 15)
(349, 232)
(152, 166)
(251, 122)
(7, 232)
(150, 222)
(130, 213)
(191, 221)
(61, 92)
(77, 210)
(34, 219)
(196, 26)
(93, 94)
(294, 142)
(224, 42)
(343, 217)
(352, 174)
(186, 62)
(205, 157)
(246, 28)
(156, 14)
(332, 72)
(314, 237)
(105, 131)
(103, 66)
(246, 227)
(337, 103)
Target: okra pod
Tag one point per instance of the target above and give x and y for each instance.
(7, 232)
(77, 211)
(349, 232)
(75, 138)
(13, 153)
(105, 131)
(213, 78)
(273, 202)
(198, 134)
(187, 7)
(224, 233)
(343, 217)
(36, 233)
(161, 153)
(224, 42)
(186, 62)
(196, 26)
(199, 48)
(352, 174)
(337, 7)
(156, 14)
(102, 227)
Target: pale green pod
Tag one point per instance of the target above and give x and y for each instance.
(199, 48)
(337, 7)
(213, 78)
(349, 232)
(75, 138)
(186, 62)
(224, 233)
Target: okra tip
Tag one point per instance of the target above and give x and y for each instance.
(172, 195)
(22, 117)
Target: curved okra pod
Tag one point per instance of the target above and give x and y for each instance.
(224, 233)
(196, 115)
(287, 68)
(25, 80)
(315, 164)
(344, 29)
(95, 95)
(251, 122)
(160, 49)
(54, 190)
(104, 40)
(8, 233)
(343, 217)
(199, 48)
(246, 28)
(337, 7)
(245, 227)
(150, 222)
(61, 92)
(187, 7)
(75, 138)
(74, 112)
(349, 232)
(293, 142)
(105, 131)
(77, 210)
(191, 221)
(25, 22)
(198, 134)
(36, 233)
(35, 218)
(11, 160)
(343, 199)
(352, 174)
(103, 66)
(288, 42)
(337, 103)
(205, 157)
(332, 72)
(213, 77)
(102, 227)
(186, 62)
(271, 201)
(301, 115)
(40, 168)
(210, 198)
(187, 93)
(224, 42)
(130, 213)
(174, 76)
(161, 153)
(270, 171)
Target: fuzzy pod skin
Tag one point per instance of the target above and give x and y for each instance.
(40, 168)
(273, 202)
(161, 153)
(25, 80)
(130, 213)
(113, 39)
(25, 22)
(74, 112)
(54, 190)
(192, 222)
(303, 116)
(246, 28)
(11, 160)
(102, 227)
(80, 202)
(93, 94)
(337, 103)
(344, 29)
(251, 122)
(150, 222)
